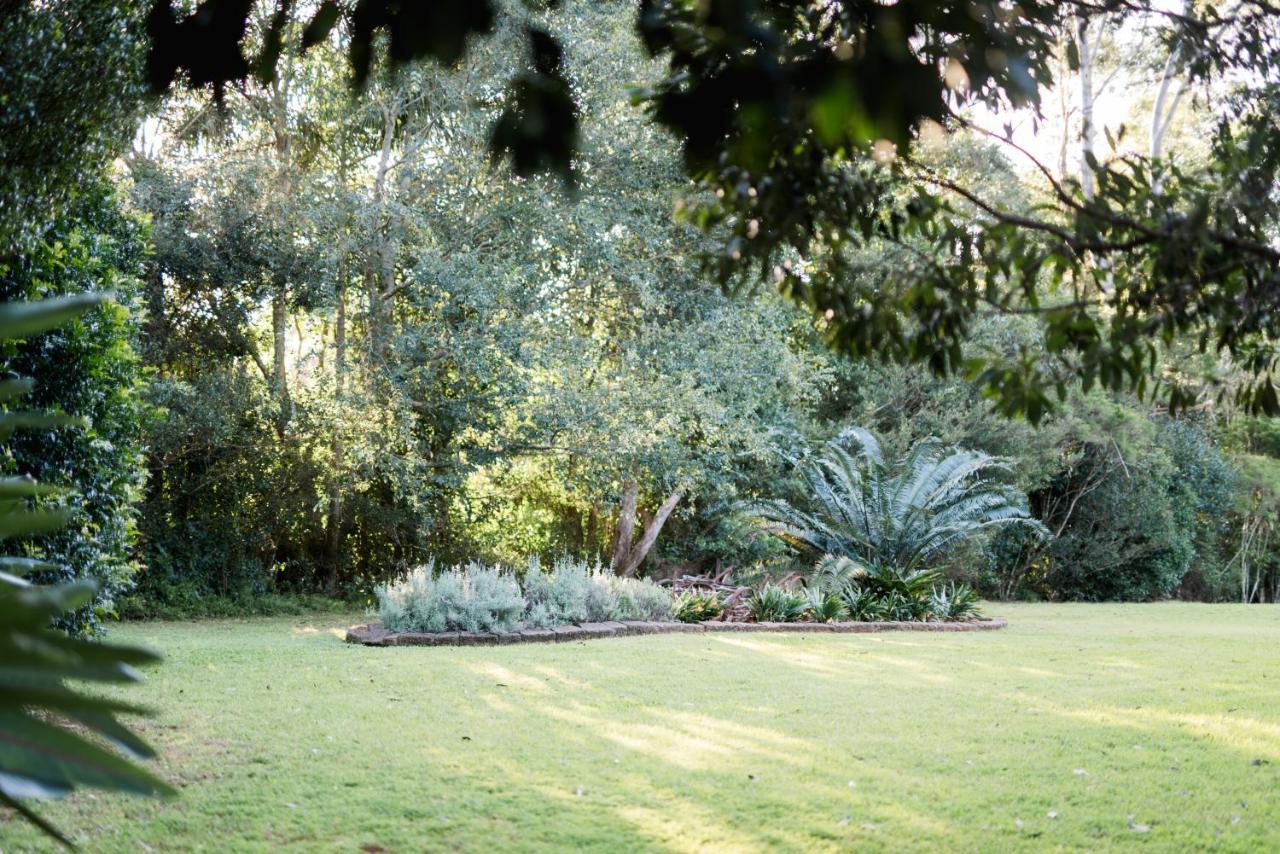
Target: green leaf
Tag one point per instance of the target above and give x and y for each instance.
(45, 754)
(23, 319)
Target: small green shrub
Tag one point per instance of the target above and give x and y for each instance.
(890, 595)
(694, 606)
(861, 604)
(823, 606)
(953, 601)
(773, 604)
(914, 584)
(902, 607)
(475, 598)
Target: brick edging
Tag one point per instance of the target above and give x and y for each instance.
(374, 634)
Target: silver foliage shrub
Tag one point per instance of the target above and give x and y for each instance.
(573, 592)
(474, 598)
(477, 598)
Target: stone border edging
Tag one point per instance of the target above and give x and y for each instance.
(375, 634)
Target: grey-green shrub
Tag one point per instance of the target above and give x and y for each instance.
(558, 597)
(475, 598)
(639, 599)
(573, 592)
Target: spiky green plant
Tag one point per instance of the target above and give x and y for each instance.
(861, 604)
(906, 515)
(694, 606)
(832, 572)
(773, 604)
(912, 584)
(823, 606)
(953, 601)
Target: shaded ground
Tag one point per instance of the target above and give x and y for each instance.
(1079, 727)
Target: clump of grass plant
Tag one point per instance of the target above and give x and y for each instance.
(774, 604)
(695, 606)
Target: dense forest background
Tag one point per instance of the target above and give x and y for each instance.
(344, 342)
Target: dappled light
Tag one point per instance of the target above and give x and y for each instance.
(639, 425)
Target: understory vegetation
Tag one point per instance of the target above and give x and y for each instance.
(343, 346)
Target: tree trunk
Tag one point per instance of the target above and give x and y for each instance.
(593, 529)
(650, 535)
(279, 341)
(626, 526)
(334, 545)
(1164, 108)
(1087, 134)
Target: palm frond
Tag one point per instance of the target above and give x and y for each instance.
(906, 516)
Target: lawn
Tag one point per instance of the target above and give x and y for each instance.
(1079, 727)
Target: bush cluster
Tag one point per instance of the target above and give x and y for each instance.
(867, 593)
(479, 598)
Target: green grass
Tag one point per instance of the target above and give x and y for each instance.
(1134, 725)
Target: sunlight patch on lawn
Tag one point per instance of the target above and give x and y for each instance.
(825, 665)
(1250, 736)
(690, 741)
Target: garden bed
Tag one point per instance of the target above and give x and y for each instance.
(374, 634)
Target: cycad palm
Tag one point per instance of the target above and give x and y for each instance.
(904, 516)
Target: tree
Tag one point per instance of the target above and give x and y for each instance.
(72, 77)
(801, 122)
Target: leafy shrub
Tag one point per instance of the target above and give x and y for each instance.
(87, 366)
(44, 721)
(861, 604)
(473, 599)
(694, 606)
(823, 606)
(558, 597)
(573, 592)
(953, 601)
(773, 604)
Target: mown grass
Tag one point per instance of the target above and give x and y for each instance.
(1079, 727)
